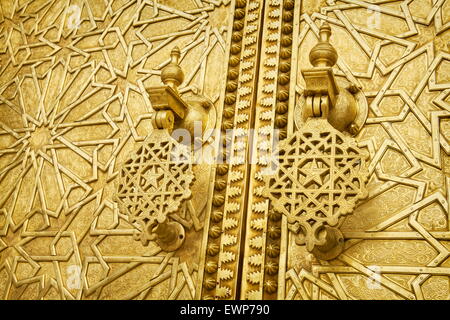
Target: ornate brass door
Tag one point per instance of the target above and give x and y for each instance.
(318, 173)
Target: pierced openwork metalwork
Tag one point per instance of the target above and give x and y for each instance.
(321, 175)
(152, 184)
(82, 86)
(155, 181)
(322, 172)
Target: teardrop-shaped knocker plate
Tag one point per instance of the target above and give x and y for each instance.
(153, 183)
(319, 176)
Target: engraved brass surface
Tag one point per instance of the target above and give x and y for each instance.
(321, 176)
(73, 110)
(397, 54)
(77, 108)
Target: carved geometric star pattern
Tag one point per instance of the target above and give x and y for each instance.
(150, 179)
(313, 173)
(73, 106)
(399, 55)
(140, 194)
(331, 176)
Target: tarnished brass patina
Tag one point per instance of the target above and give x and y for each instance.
(316, 164)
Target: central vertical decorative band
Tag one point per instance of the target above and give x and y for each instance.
(226, 223)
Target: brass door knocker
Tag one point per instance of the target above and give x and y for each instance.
(321, 171)
(155, 182)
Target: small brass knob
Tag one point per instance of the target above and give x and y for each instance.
(172, 75)
(323, 54)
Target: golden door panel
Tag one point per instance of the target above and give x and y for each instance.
(93, 206)
(73, 110)
(396, 239)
